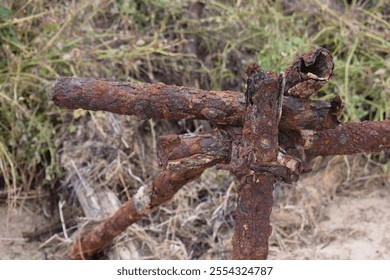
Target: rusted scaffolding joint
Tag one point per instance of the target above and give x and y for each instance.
(268, 134)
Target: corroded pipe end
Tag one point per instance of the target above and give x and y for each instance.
(318, 62)
(63, 94)
(309, 73)
(94, 94)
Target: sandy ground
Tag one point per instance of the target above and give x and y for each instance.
(351, 227)
(12, 243)
(356, 228)
(363, 226)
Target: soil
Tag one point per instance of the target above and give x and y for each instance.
(13, 245)
(353, 226)
(363, 227)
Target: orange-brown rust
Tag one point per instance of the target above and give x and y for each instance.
(267, 138)
(173, 102)
(148, 100)
(262, 120)
(88, 244)
(349, 138)
(252, 228)
(159, 191)
(172, 147)
(303, 113)
(259, 146)
(309, 73)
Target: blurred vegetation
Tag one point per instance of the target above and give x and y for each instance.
(205, 44)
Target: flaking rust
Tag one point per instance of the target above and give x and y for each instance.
(309, 73)
(259, 146)
(270, 135)
(175, 103)
(159, 191)
(349, 138)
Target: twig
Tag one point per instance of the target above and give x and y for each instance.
(60, 205)
(135, 176)
(12, 239)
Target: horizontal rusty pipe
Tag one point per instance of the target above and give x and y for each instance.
(346, 139)
(214, 145)
(174, 103)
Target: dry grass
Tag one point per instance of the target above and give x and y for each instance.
(183, 43)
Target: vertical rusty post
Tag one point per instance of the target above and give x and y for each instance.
(258, 150)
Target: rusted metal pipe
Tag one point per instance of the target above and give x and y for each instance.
(179, 170)
(348, 138)
(148, 198)
(215, 144)
(308, 73)
(252, 222)
(175, 103)
(259, 146)
(267, 138)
